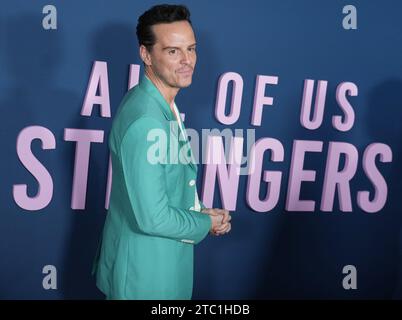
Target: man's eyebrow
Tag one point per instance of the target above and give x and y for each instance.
(169, 48)
(165, 48)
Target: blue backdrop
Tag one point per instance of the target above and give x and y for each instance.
(276, 254)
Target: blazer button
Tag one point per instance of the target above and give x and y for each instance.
(191, 182)
(187, 241)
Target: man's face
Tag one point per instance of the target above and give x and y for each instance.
(173, 55)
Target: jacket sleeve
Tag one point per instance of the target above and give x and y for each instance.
(147, 188)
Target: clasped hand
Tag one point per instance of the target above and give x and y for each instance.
(220, 221)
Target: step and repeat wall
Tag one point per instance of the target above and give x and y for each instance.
(306, 95)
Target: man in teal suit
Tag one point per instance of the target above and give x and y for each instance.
(155, 217)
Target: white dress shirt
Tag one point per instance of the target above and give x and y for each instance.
(197, 206)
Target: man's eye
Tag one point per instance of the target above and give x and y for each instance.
(191, 49)
(171, 52)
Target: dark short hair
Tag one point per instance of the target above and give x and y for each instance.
(164, 13)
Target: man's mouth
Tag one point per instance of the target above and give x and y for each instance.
(186, 71)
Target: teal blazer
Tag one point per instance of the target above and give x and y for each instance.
(151, 227)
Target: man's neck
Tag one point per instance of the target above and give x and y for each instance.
(168, 93)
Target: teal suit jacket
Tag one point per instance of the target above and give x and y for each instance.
(151, 226)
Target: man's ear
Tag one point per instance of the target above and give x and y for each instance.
(145, 55)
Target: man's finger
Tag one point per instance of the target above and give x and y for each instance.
(227, 218)
(226, 215)
(224, 229)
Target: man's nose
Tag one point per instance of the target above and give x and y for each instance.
(185, 57)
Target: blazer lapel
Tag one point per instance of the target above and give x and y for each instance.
(182, 143)
(147, 85)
